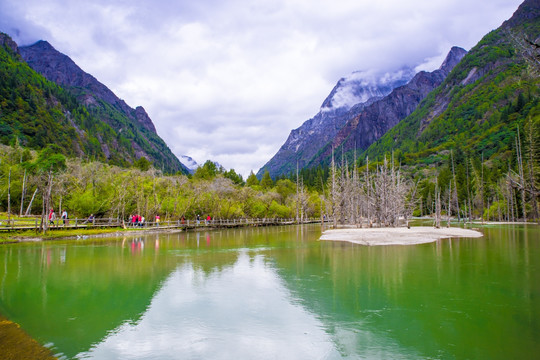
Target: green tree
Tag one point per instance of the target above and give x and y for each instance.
(49, 159)
(252, 180)
(285, 188)
(206, 172)
(232, 175)
(142, 164)
(266, 181)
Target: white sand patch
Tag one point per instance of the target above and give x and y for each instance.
(397, 236)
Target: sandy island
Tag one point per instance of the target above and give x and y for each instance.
(397, 236)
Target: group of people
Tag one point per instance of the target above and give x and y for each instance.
(206, 221)
(136, 220)
(139, 220)
(52, 217)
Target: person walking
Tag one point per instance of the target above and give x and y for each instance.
(52, 217)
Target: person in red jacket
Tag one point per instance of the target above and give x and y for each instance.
(52, 217)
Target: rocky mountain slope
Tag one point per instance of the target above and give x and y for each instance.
(346, 100)
(492, 92)
(133, 129)
(475, 102)
(376, 119)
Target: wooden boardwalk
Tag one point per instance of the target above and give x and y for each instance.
(34, 224)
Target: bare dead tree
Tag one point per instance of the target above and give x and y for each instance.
(23, 192)
(9, 197)
(455, 193)
(333, 190)
(449, 210)
(46, 203)
(437, 206)
(29, 208)
(521, 175)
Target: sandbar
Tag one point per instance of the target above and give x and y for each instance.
(397, 236)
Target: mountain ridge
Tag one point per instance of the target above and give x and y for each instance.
(375, 120)
(38, 112)
(62, 70)
(480, 105)
(304, 142)
(311, 144)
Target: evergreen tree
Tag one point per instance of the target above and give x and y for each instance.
(232, 175)
(252, 180)
(266, 181)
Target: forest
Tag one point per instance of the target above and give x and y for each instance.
(462, 187)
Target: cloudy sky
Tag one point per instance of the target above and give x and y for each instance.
(228, 80)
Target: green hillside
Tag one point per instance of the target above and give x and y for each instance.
(35, 112)
(478, 108)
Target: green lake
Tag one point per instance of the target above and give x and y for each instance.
(277, 293)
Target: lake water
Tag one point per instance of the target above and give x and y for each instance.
(277, 293)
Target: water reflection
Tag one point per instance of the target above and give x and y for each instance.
(277, 293)
(239, 312)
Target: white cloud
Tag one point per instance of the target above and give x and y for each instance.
(239, 67)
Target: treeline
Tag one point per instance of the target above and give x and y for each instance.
(33, 182)
(464, 186)
(461, 182)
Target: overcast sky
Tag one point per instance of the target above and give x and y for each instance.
(227, 80)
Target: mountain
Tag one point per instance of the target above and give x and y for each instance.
(189, 163)
(114, 131)
(475, 103)
(477, 110)
(346, 100)
(360, 131)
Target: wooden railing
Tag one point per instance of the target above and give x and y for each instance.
(34, 223)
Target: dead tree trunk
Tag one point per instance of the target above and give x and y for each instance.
(23, 193)
(437, 207)
(521, 175)
(30, 204)
(455, 186)
(482, 188)
(449, 210)
(9, 198)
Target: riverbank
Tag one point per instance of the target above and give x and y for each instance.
(82, 234)
(68, 233)
(16, 344)
(397, 236)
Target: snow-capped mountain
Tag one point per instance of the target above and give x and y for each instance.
(362, 87)
(189, 163)
(346, 100)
